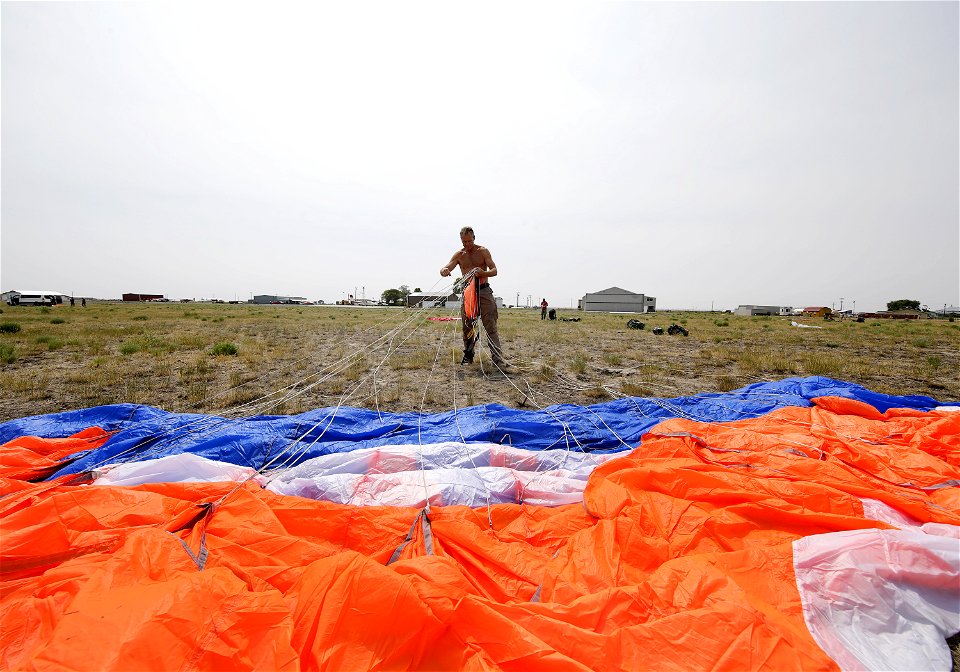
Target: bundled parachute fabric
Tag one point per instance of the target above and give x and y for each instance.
(471, 317)
(779, 529)
(442, 473)
(445, 473)
(142, 432)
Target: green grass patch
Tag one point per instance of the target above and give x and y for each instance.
(223, 349)
(9, 328)
(8, 353)
(613, 359)
(147, 343)
(52, 342)
(58, 320)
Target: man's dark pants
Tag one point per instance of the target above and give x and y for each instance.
(488, 316)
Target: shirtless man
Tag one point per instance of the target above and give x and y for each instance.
(477, 259)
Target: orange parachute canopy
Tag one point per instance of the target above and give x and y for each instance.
(471, 302)
(699, 549)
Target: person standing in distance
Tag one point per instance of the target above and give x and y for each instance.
(476, 258)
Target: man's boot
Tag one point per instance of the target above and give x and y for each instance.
(467, 357)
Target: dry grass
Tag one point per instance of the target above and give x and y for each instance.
(162, 355)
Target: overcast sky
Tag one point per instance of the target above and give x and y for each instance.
(706, 154)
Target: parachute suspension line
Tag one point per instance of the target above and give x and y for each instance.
(197, 429)
(424, 520)
(345, 362)
(343, 398)
(289, 365)
(291, 452)
(358, 385)
(390, 350)
(570, 383)
(463, 441)
(566, 436)
(676, 411)
(533, 397)
(205, 425)
(456, 386)
(423, 401)
(567, 432)
(426, 385)
(337, 367)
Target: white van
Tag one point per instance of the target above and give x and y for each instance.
(34, 299)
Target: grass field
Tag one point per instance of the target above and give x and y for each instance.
(246, 360)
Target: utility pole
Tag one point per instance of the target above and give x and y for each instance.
(841, 304)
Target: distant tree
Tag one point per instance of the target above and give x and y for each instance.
(903, 304)
(392, 297)
(417, 289)
(404, 290)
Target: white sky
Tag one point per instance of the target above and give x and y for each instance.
(705, 154)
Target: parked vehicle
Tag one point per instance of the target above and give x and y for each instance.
(34, 299)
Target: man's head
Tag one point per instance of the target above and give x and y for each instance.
(467, 237)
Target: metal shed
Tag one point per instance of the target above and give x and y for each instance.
(618, 300)
(752, 309)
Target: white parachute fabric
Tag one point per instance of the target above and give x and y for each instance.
(182, 468)
(448, 473)
(882, 599)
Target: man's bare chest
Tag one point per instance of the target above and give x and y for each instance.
(473, 259)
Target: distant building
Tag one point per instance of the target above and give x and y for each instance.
(131, 296)
(751, 309)
(272, 298)
(617, 300)
(894, 315)
(425, 300)
(817, 311)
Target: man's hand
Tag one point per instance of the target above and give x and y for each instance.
(444, 272)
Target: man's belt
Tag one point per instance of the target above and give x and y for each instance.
(484, 285)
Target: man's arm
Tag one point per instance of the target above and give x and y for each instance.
(491, 267)
(454, 260)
